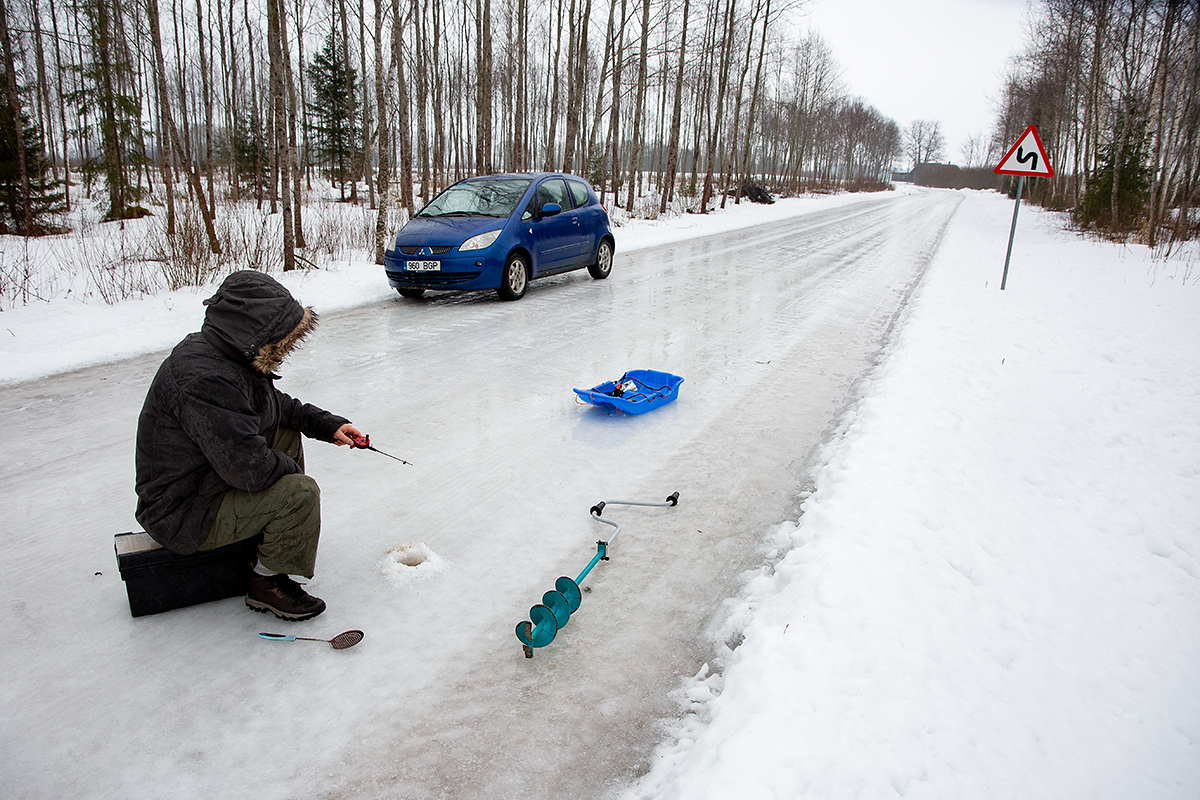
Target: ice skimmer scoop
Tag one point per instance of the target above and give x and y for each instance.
(339, 642)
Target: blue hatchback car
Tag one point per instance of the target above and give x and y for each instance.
(500, 232)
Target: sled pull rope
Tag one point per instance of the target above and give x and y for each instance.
(647, 390)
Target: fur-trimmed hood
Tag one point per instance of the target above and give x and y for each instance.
(257, 317)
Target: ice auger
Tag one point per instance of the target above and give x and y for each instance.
(558, 604)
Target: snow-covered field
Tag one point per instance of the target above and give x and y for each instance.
(993, 591)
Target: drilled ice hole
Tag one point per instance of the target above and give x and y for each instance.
(410, 555)
(410, 560)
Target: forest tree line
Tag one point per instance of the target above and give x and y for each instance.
(1114, 89)
(232, 100)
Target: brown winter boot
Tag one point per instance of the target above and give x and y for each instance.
(282, 596)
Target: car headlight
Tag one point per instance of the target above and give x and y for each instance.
(480, 242)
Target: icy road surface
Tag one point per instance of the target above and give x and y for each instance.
(770, 327)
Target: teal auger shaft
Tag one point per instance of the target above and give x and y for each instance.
(558, 604)
(601, 554)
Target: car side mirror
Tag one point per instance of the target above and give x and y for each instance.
(550, 209)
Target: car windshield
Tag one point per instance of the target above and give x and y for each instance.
(498, 198)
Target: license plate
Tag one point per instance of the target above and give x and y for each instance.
(423, 266)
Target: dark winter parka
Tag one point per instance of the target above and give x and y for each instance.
(212, 411)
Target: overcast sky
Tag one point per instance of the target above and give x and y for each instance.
(939, 60)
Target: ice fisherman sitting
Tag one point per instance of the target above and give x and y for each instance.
(219, 456)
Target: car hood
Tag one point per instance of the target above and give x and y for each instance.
(446, 231)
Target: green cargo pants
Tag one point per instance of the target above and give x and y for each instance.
(287, 515)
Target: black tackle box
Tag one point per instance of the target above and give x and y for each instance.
(158, 580)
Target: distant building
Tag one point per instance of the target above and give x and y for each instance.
(950, 176)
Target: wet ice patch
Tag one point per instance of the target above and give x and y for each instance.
(411, 561)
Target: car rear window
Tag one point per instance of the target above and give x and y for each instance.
(579, 192)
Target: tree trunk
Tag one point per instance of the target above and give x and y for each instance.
(483, 96)
(304, 158)
(1092, 114)
(114, 166)
(256, 123)
(164, 111)
(193, 176)
(276, 38)
(577, 60)
(745, 170)
(382, 92)
(44, 86)
(228, 93)
(676, 114)
(732, 144)
(14, 105)
(553, 133)
(366, 117)
(439, 141)
(598, 113)
(521, 105)
(294, 167)
(62, 109)
(206, 98)
(405, 172)
(635, 154)
(703, 86)
(1159, 99)
(422, 100)
(614, 120)
(715, 126)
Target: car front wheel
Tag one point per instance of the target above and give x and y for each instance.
(515, 278)
(603, 265)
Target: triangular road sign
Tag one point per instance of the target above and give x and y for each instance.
(1026, 157)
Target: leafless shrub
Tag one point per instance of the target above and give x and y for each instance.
(646, 206)
(397, 218)
(120, 277)
(111, 259)
(18, 274)
(250, 238)
(184, 257)
(326, 235)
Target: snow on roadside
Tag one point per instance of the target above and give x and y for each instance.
(995, 589)
(69, 332)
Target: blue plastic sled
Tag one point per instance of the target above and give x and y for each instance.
(635, 392)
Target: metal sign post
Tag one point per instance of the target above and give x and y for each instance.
(1026, 157)
(1012, 232)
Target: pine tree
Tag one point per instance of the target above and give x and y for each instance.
(334, 129)
(1095, 209)
(45, 199)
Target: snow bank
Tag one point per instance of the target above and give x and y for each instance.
(995, 589)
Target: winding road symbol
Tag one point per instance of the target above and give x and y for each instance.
(1022, 157)
(1027, 157)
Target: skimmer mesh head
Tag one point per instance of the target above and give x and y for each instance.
(347, 639)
